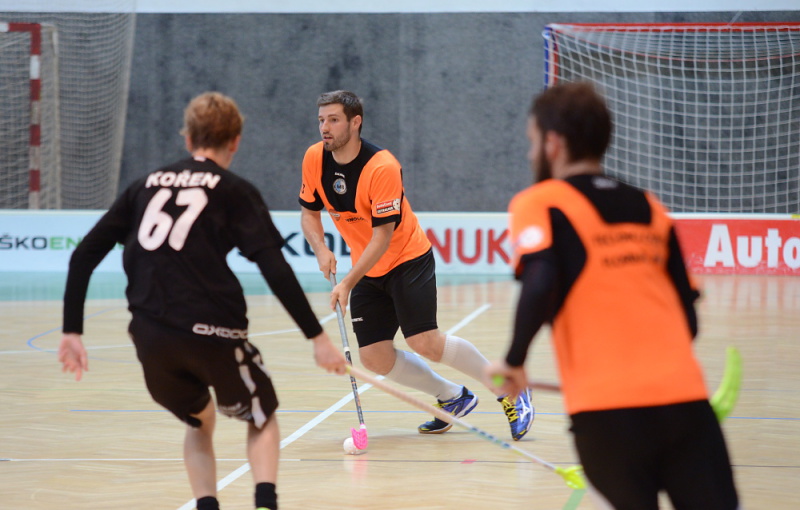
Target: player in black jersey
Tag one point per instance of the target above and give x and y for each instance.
(189, 322)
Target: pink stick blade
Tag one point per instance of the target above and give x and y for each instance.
(360, 438)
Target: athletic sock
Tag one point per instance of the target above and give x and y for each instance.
(266, 496)
(410, 370)
(464, 357)
(208, 503)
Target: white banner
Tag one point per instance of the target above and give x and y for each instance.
(471, 243)
(463, 243)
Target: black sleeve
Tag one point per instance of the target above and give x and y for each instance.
(537, 295)
(316, 205)
(283, 282)
(677, 271)
(112, 228)
(250, 221)
(395, 218)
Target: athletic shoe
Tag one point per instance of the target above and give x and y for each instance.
(520, 414)
(458, 407)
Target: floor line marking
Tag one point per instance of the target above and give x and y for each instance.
(325, 414)
(36, 349)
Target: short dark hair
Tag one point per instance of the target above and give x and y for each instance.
(350, 102)
(579, 114)
(211, 120)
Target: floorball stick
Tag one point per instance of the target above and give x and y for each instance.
(498, 381)
(360, 438)
(573, 476)
(723, 401)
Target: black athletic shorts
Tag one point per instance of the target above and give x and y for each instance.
(629, 455)
(180, 366)
(404, 298)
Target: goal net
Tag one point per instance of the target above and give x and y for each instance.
(706, 115)
(84, 71)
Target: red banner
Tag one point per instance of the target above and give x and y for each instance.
(740, 245)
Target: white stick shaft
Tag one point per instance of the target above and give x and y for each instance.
(346, 346)
(545, 386)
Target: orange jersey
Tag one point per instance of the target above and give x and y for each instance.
(365, 193)
(619, 330)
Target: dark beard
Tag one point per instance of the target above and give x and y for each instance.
(543, 170)
(335, 145)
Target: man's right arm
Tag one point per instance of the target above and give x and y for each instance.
(94, 247)
(101, 239)
(687, 293)
(311, 223)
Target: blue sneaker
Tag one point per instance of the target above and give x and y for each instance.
(458, 407)
(520, 414)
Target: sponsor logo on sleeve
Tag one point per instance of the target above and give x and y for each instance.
(387, 206)
(530, 238)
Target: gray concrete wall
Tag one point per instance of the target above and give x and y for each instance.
(446, 93)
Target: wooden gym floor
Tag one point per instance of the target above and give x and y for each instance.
(102, 443)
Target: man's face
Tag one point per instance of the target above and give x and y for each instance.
(334, 127)
(540, 166)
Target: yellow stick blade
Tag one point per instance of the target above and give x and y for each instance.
(724, 399)
(573, 476)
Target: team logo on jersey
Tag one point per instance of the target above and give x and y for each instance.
(387, 206)
(531, 237)
(339, 186)
(220, 331)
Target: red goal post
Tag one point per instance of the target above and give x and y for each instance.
(30, 123)
(35, 31)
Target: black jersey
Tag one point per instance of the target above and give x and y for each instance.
(177, 225)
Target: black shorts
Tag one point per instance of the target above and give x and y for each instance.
(180, 366)
(629, 455)
(404, 298)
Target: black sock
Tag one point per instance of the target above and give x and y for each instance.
(208, 503)
(266, 496)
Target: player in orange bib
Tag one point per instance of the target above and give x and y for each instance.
(599, 260)
(392, 283)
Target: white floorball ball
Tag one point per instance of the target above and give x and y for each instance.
(349, 446)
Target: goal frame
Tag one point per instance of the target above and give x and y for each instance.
(550, 46)
(733, 152)
(35, 107)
